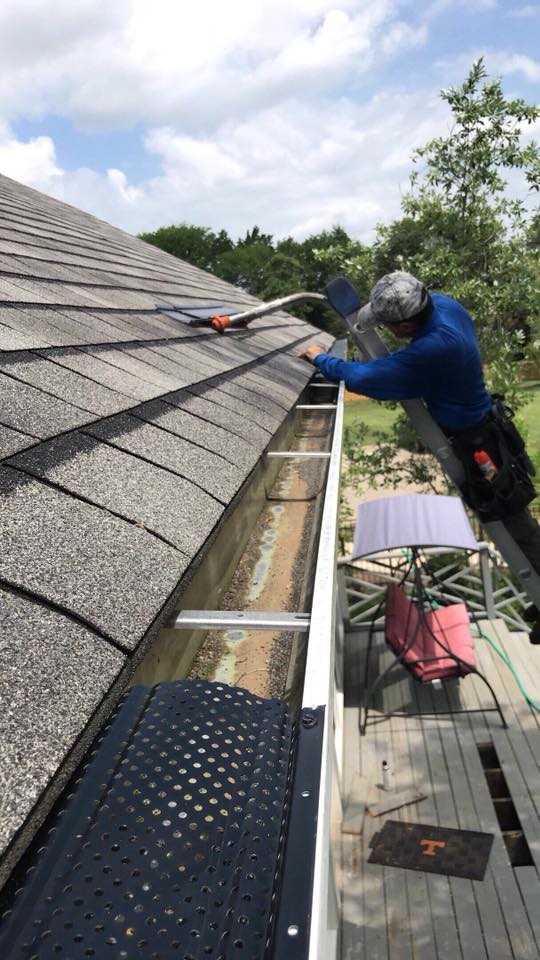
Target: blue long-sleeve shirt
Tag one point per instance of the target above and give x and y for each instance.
(441, 364)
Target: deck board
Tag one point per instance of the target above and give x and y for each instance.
(403, 914)
(528, 879)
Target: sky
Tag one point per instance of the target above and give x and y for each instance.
(294, 115)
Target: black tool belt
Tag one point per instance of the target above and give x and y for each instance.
(511, 489)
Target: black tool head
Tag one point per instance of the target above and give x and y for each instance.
(342, 296)
(194, 315)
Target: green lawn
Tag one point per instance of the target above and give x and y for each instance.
(379, 416)
(530, 415)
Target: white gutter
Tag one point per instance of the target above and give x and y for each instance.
(320, 690)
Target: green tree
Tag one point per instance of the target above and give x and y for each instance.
(475, 245)
(198, 245)
(245, 262)
(314, 261)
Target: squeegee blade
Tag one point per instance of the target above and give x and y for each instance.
(342, 296)
(192, 314)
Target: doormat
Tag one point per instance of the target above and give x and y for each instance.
(416, 846)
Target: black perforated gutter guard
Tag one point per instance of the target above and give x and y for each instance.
(169, 842)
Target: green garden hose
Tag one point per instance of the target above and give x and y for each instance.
(506, 659)
(504, 656)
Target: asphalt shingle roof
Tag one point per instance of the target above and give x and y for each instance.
(124, 436)
(54, 674)
(194, 462)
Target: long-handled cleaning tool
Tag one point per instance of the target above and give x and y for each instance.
(197, 316)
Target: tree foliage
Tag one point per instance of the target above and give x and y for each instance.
(461, 231)
(198, 245)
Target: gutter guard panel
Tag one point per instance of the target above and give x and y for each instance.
(170, 842)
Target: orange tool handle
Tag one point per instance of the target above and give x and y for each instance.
(221, 323)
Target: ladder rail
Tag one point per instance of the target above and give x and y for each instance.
(366, 337)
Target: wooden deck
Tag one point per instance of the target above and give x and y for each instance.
(395, 914)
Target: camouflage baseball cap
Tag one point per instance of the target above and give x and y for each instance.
(397, 296)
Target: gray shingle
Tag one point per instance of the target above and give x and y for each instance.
(22, 249)
(29, 410)
(12, 291)
(211, 472)
(33, 328)
(13, 340)
(201, 354)
(37, 269)
(126, 326)
(138, 368)
(284, 393)
(116, 299)
(183, 372)
(191, 358)
(13, 440)
(236, 348)
(104, 373)
(155, 325)
(217, 414)
(54, 675)
(42, 291)
(90, 327)
(275, 339)
(262, 389)
(259, 414)
(63, 383)
(247, 391)
(190, 427)
(164, 503)
(290, 380)
(70, 323)
(105, 570)
(289, 370)
(160, 325)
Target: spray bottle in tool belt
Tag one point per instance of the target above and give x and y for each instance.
(484, 463)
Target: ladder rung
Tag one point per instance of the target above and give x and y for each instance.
(245, 620)
(298, 453)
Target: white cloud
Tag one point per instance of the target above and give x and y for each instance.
(436, 7)
(33, 162)
(251, 109)
(290, 168)
(497, 62)
(119, 182)
(237, 102)
(195, 160)
(515, 63)
(112, 64)
(524, 13)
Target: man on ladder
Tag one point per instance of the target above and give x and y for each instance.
(442, 365)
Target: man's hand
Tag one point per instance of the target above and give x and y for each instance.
(312, 351)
